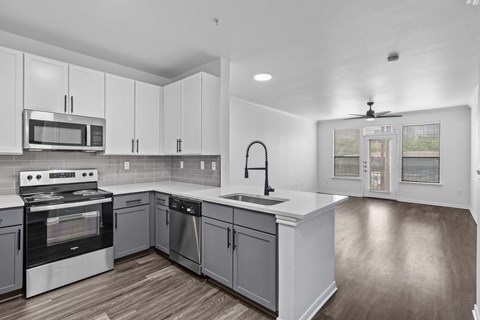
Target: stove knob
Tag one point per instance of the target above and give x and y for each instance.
(29, 177)
(91, 174)
(84, 174)
(39, 177)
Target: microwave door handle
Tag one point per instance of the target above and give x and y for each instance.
(89, 136)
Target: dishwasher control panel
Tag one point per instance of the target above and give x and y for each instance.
(186, 206)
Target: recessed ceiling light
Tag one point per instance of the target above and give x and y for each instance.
(262, 77)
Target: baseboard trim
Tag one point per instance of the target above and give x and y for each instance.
(474, 216)
(433, 203)
(319, 302)
(476, 313)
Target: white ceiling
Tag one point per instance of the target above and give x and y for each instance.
(327, 58)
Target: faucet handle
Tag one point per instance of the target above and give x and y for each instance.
(270, 189)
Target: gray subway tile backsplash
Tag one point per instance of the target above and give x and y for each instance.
(111, 168)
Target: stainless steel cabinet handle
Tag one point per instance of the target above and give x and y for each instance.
(180, 148)
(228, 237)
(116, 220)
(166, 217)
(133, 201)
(177, 145)
(234, 235)
(65, 101)
(71, 104)
(137, 145)
(133, 145)
(19, 239)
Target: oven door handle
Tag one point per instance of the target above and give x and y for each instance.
(69, 205)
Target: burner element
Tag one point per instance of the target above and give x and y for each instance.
(89, 192)
(43, 197)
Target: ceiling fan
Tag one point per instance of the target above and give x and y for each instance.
(370, 115)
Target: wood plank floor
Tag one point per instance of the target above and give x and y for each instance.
(393, 261)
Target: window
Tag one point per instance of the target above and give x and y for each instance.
(346, 155)
(421, 153)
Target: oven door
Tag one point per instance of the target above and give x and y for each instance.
(52, 131)
(55, 232)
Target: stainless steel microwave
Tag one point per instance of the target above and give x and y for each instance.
(55, 131)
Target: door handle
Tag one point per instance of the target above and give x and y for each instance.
(65, 102)
(166, 217)
(133, 145)
(71, 104)
(228, 237)
(116, 220)
(19, 239)
(234, 235)
(137, 145)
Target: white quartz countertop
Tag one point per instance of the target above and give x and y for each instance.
(299, 204)
(11, 201)
(170, 187)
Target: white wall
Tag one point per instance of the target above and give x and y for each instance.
(20, 43)
(454, 189)
(291, 143)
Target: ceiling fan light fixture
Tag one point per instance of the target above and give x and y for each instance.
(263, 77)
(370, 119)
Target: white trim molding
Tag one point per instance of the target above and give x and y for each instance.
(434, 203)
(476, 313)
(318, 304)
(474, 216)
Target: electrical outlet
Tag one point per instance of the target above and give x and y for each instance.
(181, 164)
(202, 165)
(126, 165)
(214, 165)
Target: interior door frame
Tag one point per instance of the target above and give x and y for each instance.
(392, 194)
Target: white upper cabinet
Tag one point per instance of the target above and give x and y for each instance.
(119, 115)
(133, 117)
(172, 97)
(147, 119)
(11, 101)
(191, 115)
(55, 86)
(87, 92)
(46, 84)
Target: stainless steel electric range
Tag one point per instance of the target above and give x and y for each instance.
(68, 228)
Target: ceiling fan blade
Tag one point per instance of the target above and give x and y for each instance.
(378, 114)
(356, 114)
(361, 117)
(390, 116)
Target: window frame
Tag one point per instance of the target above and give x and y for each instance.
(334, 157)
(439, 182)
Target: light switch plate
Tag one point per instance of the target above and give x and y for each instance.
(181, 164)
(202, 165)
(214, 165)
(126, 165)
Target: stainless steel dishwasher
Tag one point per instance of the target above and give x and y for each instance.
(186, 233)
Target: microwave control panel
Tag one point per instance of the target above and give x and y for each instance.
(96, 137)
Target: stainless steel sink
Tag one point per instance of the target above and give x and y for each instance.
(251, 198)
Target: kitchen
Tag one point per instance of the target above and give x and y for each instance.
(164, 131)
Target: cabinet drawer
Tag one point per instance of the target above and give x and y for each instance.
(218, 212)
(161, 199)
(11, 217)
(131, 200)
(255, 220)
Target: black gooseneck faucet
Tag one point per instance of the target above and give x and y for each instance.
(267, 188)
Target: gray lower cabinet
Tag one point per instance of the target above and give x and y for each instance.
(11, 250)
(131, 230)
(240, 251)
(255, 265)
(217, 250)
(162, 228)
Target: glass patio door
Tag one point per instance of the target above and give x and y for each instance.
(377, 167)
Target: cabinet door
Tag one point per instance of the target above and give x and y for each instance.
(147, 119)
(46, 84)
(192, 115)
(254, 266)
(11, 101)
(172, 95)
(217, 250)
(11, 262)
(87, 92)
(162, 229)
(131, 230)
(119, 115)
